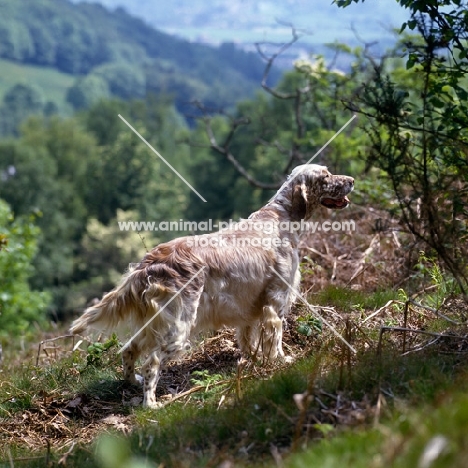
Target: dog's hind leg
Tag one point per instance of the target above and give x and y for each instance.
(246, 341)
(151, 371)
(129, 357)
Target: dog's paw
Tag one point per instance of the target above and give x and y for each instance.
(152, 404)
(139, 380)
(287, 359)
(136, 380)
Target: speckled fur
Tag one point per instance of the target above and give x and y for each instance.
(235, 286)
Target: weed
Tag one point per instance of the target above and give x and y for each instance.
(204, 378)
(309, 267)
(97, 350)
(309, 325)
(211, 382)
(445, 285)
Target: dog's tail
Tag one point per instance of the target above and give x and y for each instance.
(125, 303)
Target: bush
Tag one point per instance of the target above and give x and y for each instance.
(19, 305)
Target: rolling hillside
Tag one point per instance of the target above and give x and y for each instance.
(53, 84)
(116, 54)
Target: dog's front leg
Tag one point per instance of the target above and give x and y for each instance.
(151, 369)
(272, 336)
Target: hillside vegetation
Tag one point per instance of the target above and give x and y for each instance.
(53, 84)
(391, 393)
(113, 54)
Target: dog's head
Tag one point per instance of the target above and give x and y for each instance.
(311, 185)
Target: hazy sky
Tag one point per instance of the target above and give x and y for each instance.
(252, 21)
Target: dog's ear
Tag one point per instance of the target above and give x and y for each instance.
(299, 202)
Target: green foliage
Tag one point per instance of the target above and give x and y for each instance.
(50, 171)
(84, 176)
(20, 307)
(22, 97)
(15, 40)
(128, 175)
(19, 102)
(347, 299)
(443, 282)
(103, 254)
(21, 382)
(213, 383)
(51, 83)
(309, 325)
(124, 81)
(97, 350)
(413, 437)
(87, 91)
(115, 452)
(204, 377)
(417, 128)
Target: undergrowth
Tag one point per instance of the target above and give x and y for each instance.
(378, 408)
(349, 300)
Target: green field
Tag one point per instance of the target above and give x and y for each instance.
(52, 83)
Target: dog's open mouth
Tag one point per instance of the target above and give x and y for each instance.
(336, 204)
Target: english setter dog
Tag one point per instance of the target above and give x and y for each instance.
(237, 277)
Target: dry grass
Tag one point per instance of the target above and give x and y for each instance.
(377, 255)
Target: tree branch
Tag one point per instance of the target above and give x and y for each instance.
(223, 149)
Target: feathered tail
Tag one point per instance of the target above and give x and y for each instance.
(117, 306)
(143, 291)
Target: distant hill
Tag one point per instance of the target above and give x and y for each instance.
(116, 54)
(53, 83)
(246, 22)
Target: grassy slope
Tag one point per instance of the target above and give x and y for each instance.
(372, 410)
(54, 84)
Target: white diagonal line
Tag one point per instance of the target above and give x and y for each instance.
(299, 295)
(332, 138)
(162, 159)
(160, 310)
(290, 179)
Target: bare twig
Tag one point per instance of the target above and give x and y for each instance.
(421, 347)
(411, 330)
(64, 457)
(271, 60)
(364, 257)
(434, 311)
(49, 341)
(378, 311)
(224, 150)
